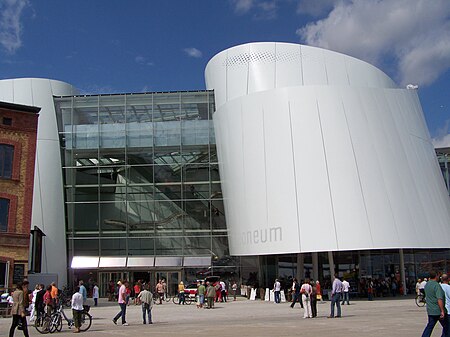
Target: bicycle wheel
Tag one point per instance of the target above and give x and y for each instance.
(176, 299)
(55, 322)
(188, 300)
(86, 321)
(42, 324)
(167, 298)
(420, 301)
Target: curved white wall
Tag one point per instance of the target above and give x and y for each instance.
(319, 151)
(48, 198)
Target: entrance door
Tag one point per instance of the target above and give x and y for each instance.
(172, 279)
(110, 276)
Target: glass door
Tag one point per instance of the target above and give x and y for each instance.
(106, 278)
(171, 278)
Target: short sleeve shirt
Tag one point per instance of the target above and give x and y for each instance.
(122, 293)
(446, 289)
(433, 292)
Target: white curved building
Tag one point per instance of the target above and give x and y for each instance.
(48, 198)
(319, 151)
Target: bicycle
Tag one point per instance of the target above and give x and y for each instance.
(56, 320)
(187, 299)
(43, 323)
(420, 300)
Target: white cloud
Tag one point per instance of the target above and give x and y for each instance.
(265, 10)
(193, 52)
(143, 61)
(315, 8)
(242, 6)
(414, 34)
(10, 25)
(441, 142)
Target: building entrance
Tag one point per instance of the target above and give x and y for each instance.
(107, 277)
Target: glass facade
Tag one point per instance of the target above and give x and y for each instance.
(141, 175)
(443, 156)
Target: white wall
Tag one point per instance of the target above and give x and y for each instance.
(48, 198)
(319, 151)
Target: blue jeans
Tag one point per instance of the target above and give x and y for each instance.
(432, 320)
(146, 311)
(182, 300)
(277, 297)
(336, 299)
(123, 311)
(201, 299)
(346, 297)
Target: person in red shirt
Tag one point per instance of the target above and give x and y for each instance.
(137, 290)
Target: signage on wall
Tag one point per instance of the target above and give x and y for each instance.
(18, 273)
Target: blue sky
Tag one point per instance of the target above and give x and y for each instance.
(112, 46)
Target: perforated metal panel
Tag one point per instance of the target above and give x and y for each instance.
(261, 57)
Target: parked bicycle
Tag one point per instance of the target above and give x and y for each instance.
(46, 324)
(188, 299)
(420, 300)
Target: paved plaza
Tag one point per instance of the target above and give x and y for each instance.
(382, 317)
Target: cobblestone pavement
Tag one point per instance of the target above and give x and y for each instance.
(391, 317)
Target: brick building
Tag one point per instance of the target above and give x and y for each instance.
(18, 133)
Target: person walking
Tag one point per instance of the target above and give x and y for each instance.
(446, 287)
(83, 291)
(145, 297)
(314, 299)
(436, 310)
(345, 292)
(77, 309)
(160, 291)
(95, 294)
(210, 294)
(234, 288)
(336, 297)
(122, 300)
(33, 303)
(18, 311)
(277, 291)
(306, 291)
(296, 291)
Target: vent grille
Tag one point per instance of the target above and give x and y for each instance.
(262, 57)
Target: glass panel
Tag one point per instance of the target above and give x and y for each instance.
(6, 160)
(141, 246)
(113, 247)
(85, 217)
(86, 247)
(169, 246)
(197, 214)
(4, 211)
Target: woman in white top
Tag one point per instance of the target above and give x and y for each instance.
(33, 303)
(77, 308)
(306, 291)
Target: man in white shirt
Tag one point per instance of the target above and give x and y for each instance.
(422, 286)
(223, 291)
(277, 290)
(345, 292)
(77, 308)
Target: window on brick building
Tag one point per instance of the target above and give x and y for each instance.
(4, 211)
(7, 121)
(6, 160)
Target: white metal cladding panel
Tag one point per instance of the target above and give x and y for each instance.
(42, 97)
(255, 205)
(356, 73)
(397, 108)
(311, 177)
(237, 63)
(261, 70)
(236, 198)
(313, 65)
(336, 69)
(7, 91)
(399, 112)
(216, 77)
(388, 155)
(48, 200)
(288, 70)
(433, 193)
(352, 228)
(22, 92)
(282, 221)
(376, 199)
